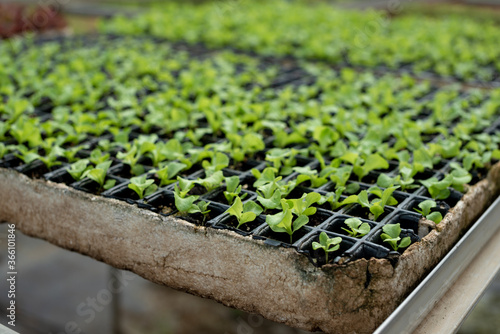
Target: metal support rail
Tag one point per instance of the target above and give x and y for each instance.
(445, 297)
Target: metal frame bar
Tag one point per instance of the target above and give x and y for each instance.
(438, 291)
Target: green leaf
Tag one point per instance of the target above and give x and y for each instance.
(185, 186)
(327, 244)
(251, 206)
(273, 202)
(167, 173)
(426, 207)
(405, 242)
(385, 181)
(236, 209)
(219, 161)
(109, 184)
(211, 182)
(372, 162)
(357, 228)
(350, 157)
(435, 217)
(363, 199)
(281, 222)
(77, 169)
(299, 222)
(185, 205)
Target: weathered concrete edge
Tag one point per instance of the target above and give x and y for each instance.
(237, 271)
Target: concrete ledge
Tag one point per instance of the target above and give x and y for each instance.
(240, 272)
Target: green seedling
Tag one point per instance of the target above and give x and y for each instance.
(391, 236)
(142, 186)
(184, 186)
(212, 181)
(233, 189)
(282, 160)
(356, 227)
(244, 213)
(303, 206)
(439, 189)
(27, 131)
(268, 175)
(377, 205)
(316, 179)
(218, 162)
(340, 176)
(131, 158)
(97, 156)
(425, 210)
(285, 222)
(186, 204)
(269, 195)
(361, 167)
(333, 198)
(3, 150)
(78, 169)
(26, 155)
(98, 174)
(169, 171)
(327, 244)
(245, 146)
(404, 180)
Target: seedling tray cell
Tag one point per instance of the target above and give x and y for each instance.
(365, 278)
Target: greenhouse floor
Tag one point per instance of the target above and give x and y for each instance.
(53, 283)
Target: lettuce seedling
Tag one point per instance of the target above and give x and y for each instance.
(268, 175)
(285, 222)
(169, 171)
(404, 180)
(131, 158)
(269, 195)
(325, 136)
(186, 205)
(282, 159)
(210, 182)
(27, 130)
(302, 206)
(219, 161)
(391, 236)
(333, 198)
(377, 205)
(283, 139)
(233, 189)
(308, 174)
(244, 213)
(456, 179)
(385, 194)
(362, 167)
(356, 227)
(184, 186)
(50, 160)
(340, 176)
(77, 169)
(425, 210)
(98, 174)
(25, 154)
(97, 156)
(70, 153)
(245, 146)
(142, 186)
(327, 244)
